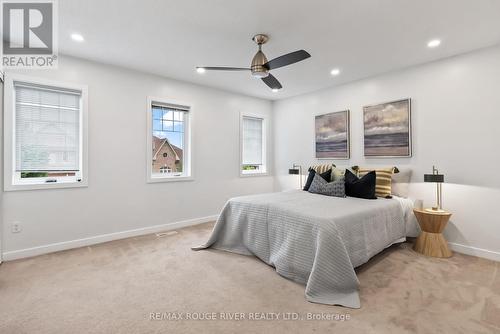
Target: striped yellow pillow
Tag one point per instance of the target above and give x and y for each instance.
(383, 187)
(322, 168)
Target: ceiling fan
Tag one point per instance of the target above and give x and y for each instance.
(260, 66)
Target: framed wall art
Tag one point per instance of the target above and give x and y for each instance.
(387, 129)
(332, 137)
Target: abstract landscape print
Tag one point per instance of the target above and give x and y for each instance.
(388, 129)
(332, 135)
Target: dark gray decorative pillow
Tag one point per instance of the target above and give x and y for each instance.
(323, 187)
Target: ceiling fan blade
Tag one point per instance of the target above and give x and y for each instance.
(287, 59)
(223, 68)
(272, 82)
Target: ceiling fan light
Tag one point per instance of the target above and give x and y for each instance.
(257, 67)
(260, 74)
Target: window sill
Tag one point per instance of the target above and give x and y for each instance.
(170, 179)
(254, 174)
(44, 186)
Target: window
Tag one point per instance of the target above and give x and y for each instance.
(253, 145)
(168, 142)
(45, 144)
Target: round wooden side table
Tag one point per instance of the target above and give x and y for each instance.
(431, 241)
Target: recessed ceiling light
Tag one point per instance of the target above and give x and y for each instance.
(335, 71)
(77, 37)
(200, 70)
(434, 43)
(275, 90)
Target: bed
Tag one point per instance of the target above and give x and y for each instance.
(313, 239)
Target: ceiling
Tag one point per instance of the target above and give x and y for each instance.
(360, 37)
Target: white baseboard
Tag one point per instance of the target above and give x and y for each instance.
(59, 246)
(479, 252)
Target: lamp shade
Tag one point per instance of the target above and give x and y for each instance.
(437, 178)
(294, 171)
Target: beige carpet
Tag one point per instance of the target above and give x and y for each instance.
(113, 288)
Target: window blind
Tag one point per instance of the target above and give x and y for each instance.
(47, 128)
(252, 141)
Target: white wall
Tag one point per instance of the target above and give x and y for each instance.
(456, 126)
(118, 198)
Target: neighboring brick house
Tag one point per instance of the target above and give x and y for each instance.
(167, 158)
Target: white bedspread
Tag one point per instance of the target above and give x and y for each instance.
(313, 239)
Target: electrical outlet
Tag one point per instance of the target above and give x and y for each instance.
(16, 227)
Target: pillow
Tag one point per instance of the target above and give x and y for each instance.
(326, 175)
(401, 182)
(323, 187)
(383, 179)
(338, 172)
(360, 187)
(322, 168)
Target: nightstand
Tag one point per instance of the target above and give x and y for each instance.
(431, 241)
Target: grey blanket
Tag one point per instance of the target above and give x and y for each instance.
(312, 239)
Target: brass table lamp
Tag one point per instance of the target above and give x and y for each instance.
(297, 170)
(438, 179)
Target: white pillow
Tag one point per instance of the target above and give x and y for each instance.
(401, 182)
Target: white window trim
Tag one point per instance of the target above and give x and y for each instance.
(9, 134)
(265, 125)
(188, 147)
